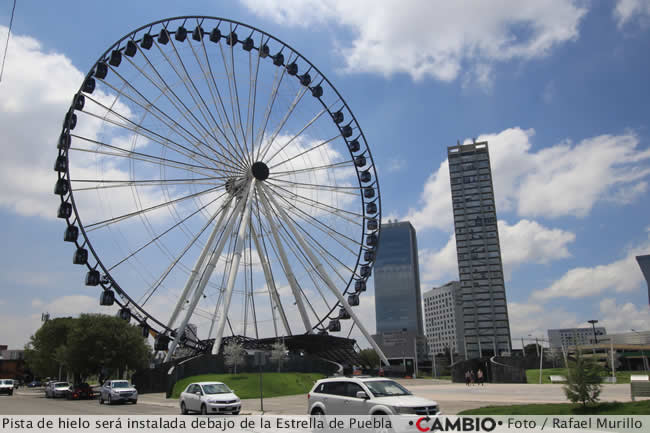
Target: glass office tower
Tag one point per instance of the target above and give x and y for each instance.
(397, 280)
(485, 312)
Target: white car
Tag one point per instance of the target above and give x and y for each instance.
(7, 386)
(209, 397)
(366, 396)
(56, 389)
(113, 391)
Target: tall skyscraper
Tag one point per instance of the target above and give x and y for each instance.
(398, 301)
(443, 318)
(397, 280)
(485, 312)
(644, 264)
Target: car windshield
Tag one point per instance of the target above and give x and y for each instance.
(60, 384)
(216, 388)
(122, 384)
(386, 388)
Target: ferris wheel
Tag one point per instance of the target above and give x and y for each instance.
(214, 182)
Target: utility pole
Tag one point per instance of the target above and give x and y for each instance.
(593, 325)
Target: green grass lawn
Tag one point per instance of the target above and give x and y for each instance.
(532, 376)
(615, 408)
(247, 385)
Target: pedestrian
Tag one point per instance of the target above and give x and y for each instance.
(479, 375)
(467, 378)
(471, 377)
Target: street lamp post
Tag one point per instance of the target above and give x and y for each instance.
(593, 325)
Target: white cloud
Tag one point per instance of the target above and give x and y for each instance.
(531, 318)
(396, 164)
(628, 10)
(623, 317)
(524, 242)
(549, 93)
(622, 275)
(560, 180)
(434, 39)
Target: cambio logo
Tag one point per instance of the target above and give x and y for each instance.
(428, 424)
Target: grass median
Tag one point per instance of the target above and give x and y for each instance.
(247, 385)
(610, 408)
(532, 375)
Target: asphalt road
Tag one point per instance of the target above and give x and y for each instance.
(35, 403)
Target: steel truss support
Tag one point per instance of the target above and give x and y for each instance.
(235, 265)
(324, 276)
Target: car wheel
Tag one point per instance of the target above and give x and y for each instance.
(101, 400)
(382, 415)
(317, 412)
(183, 408)
(204, 410)
(236, 412)
(134, 401)
(110, 400)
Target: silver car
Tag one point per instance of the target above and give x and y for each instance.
(209, 397)
(366, 396)
(114, 391)
(56, 389)
(7, 386)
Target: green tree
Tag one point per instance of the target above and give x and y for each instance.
(41, 351)
(583, 381)
(369, 357)
(98, 341)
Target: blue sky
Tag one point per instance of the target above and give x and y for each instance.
(560, 91)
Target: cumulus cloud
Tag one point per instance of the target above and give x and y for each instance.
(524, 242)
(434, 39)
(565, 179)
(627, 10)
(622, 275)
(623, 317)
(533, 318)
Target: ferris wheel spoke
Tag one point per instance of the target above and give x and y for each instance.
(153, 136)
(214, 89)
(252, 97)
(234, 101)
(169, 229)
(151, 108)
(347, 190)
(301, 92)
(106, 222)
(277, 81)
(288, 271)
(336, 165)
(326, 278)
(349, 216)
(175, 100)
(262, 252)
(317, 146)
(324, 228)
(144, 157)
(281, 212)
(222, 286)
(201, 106)
(131, 183)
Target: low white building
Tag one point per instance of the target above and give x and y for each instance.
(574, 336)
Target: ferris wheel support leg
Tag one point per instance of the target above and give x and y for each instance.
(205, 277)
(328, 281)
(234, 268)
(270, 283)
(224, 209)
(293, 283)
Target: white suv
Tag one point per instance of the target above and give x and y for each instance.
(7, 386)
(366, 396)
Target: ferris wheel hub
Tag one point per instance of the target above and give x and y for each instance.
(260, 170)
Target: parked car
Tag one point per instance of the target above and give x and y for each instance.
(80, 391)
(366, 396)
(113, 391)
(56, 389)
(7, 386)
(209, 397)
(34, 384)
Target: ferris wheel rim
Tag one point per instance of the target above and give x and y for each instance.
(141, 315)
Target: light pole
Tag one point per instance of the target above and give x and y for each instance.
(593, 325)
(645, 360)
